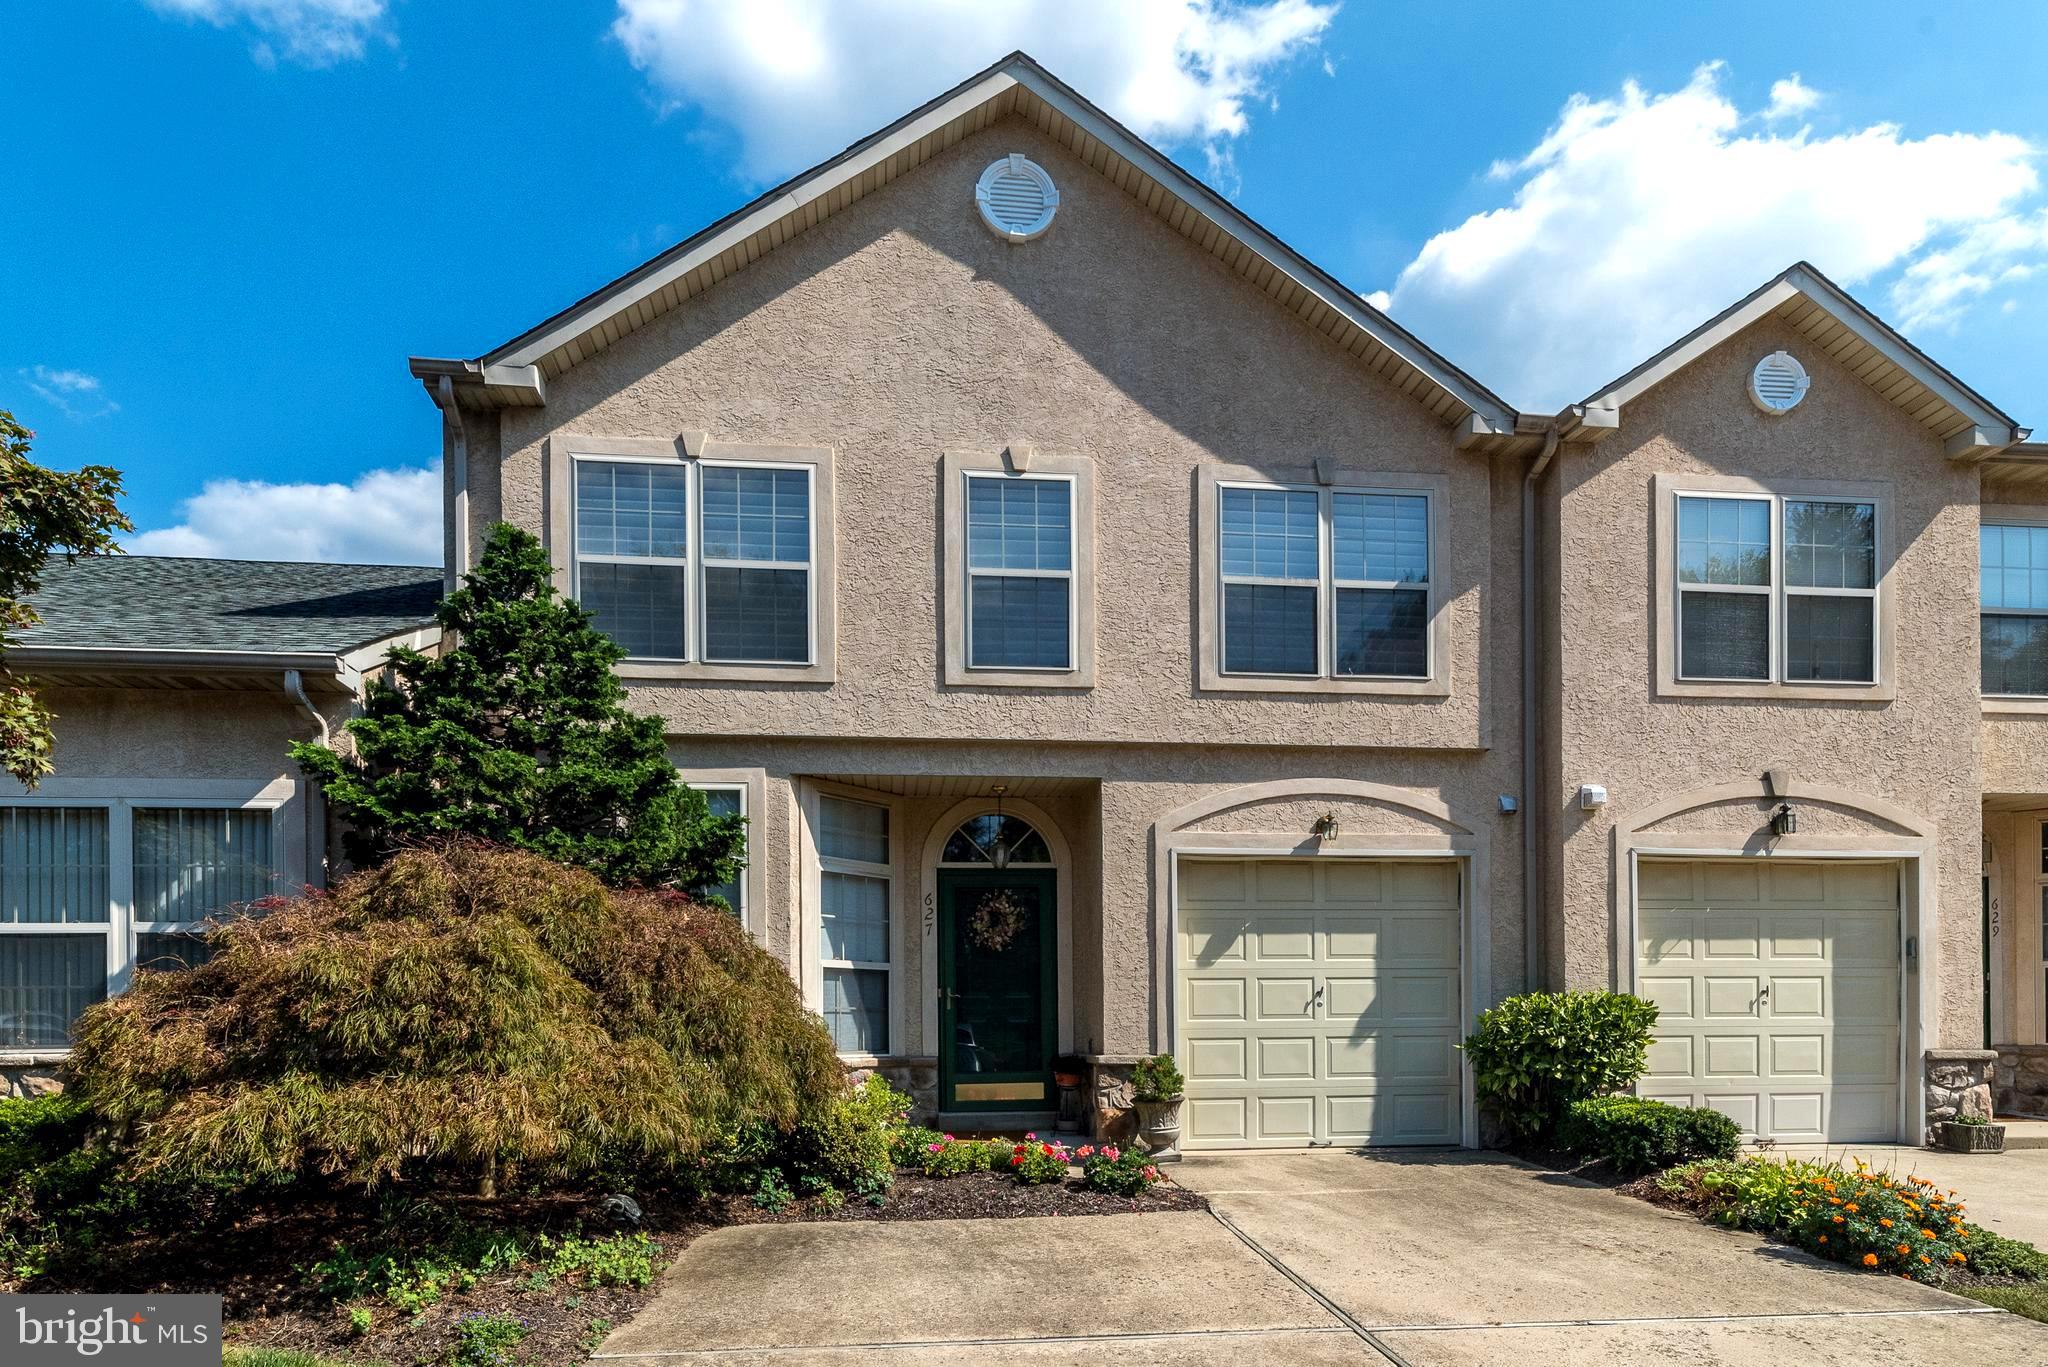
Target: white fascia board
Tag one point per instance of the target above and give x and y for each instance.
(529, 351)
(1500, 421)
(1802, 281)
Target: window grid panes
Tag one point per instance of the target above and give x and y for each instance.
(1776, 588)
(757, 564)
(745, 596)
(632, 554)
(855, 901)
(192, 862)
(1020, 547)
(729, 801)
(1277, 577)
(2013, 599)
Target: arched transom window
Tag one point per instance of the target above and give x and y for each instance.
(998, 839)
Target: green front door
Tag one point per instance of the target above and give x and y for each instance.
(996, 989)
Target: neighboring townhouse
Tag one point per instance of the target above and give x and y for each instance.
(1114, 631)
(177, 685)
(1121, 638)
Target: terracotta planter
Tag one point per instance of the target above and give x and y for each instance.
(1159, 1128)
(1972, 1138)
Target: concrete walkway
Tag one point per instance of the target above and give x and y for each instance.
(1313, 1258)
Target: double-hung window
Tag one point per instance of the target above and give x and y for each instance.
(1020, 571)
(1324, 582)
(90, 892)
(855, 876)
(707, 561)
(2012, 564)
(1776, 589)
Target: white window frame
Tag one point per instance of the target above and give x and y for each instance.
(122, 927)
(2037, 924)
(695, 561)
(1073, 555)
(1781, 590)
(2031, 519)
(1667, 490)
(743, 909)
(692, 451)
(860, 868)
(1326, 582)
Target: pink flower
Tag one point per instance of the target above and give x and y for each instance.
(949, 1139)
(1111, 1152)
(935, 1147)
(1031, 1136)
(1086, 1150)
(1151, 1173)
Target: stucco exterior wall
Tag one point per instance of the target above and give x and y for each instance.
(1919, 749)
(901, 328)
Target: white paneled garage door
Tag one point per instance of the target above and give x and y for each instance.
(1318, 1001)
(1777, 993)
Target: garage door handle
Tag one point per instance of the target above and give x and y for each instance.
(1319, 995)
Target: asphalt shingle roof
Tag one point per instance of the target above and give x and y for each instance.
(148, 602)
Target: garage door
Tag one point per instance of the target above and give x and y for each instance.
(1777, 993)
(1318, 1002)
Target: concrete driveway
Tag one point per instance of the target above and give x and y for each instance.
(1313, 1258)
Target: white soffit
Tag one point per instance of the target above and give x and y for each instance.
(1835, 325)
(1014, 86)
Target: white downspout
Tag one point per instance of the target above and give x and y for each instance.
(315, 831)
(1533, 932)
(458, 478)
(295, 689)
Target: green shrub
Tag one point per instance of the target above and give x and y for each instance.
(613, 1260)
(1748, 1193)
(1994, 1255)
(849, 1145)
(1635, 1136)
(1156, 1079)
(422, 1263)
(455, 1010)
(1035, 1163)
(487, 1340)
(771, 1193)
(360, 1320)
(1534, 1055)
(908, 1143)
(1120, 1172)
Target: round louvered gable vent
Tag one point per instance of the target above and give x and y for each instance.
(1778, 383)
(1017, 198)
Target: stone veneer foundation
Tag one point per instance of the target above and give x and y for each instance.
(26, 1075)
(2022, 1086)
(1958, 1083)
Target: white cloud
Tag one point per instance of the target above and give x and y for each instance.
(800, 79)
(73, 393)
(312, 33)
(1790, 98)
(1636, 218)
(386, 517)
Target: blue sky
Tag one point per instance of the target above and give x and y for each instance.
(226, 223)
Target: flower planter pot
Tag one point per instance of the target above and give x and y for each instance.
(1972, 1138)
(1159, 1128)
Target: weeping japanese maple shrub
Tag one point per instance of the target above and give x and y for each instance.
(458, 1009)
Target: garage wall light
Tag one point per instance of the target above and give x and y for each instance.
(1784, 821)
(1326, 827)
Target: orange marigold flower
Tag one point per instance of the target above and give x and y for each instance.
(1927, 1234)
(1851, 1207)
(1834, 1200)
(1870, 1260)
(1905, 1249)
(1823, 1238)
(1838, 1219)
(1923, 1258)
(1886, 1223)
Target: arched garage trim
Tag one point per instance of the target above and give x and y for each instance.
(1916, 850)
(1464, 840)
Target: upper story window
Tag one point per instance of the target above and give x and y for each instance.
(707, 561)
(1324, 583)
(1020, 572)
(2012, 562)
(1776, 589)
(1019, 569)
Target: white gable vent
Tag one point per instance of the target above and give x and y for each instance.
(1017, 198)
(1778, 383)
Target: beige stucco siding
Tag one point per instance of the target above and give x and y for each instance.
(1918, 750)
(901, 328)
(1109, 815)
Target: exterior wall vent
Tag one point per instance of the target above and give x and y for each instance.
(1778, 383)
(1017, 198)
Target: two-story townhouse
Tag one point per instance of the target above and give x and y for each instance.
(1106, 621)
(1115, 632)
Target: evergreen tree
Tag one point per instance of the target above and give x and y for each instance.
(517, 733)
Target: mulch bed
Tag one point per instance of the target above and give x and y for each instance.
(256, 1258)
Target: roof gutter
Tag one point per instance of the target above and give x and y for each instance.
(295, 689)
(1533, 955)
